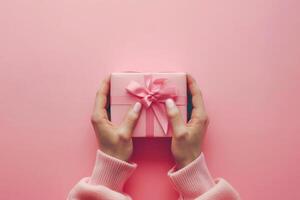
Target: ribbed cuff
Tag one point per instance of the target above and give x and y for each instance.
(192, 180)
(111, 172)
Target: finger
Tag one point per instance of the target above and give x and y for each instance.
(197, 100)
(130, 119)
(100, 112)
(198, 111)
(175, 118)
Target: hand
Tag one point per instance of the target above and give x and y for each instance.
(187, 137)
(114, 140)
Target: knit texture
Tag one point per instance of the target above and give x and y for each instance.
(193, 182)
(111, 172)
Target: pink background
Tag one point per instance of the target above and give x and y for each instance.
(244, 55)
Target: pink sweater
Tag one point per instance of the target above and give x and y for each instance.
(110, 174)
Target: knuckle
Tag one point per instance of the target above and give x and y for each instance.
(197, 121)
(173, 113)
(131, 117)
(181, 133)
(98, 93)
(96, 119)
(204, 118)
(123, 134)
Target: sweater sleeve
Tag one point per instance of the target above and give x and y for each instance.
(195, 182)
(107, 180)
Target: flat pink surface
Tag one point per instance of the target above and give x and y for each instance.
(244, 55)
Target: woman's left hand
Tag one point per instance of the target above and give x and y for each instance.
(114, 140)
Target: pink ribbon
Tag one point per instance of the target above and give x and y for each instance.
(153, 95)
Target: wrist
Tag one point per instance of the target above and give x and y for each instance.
(118, 154)
(181, 163)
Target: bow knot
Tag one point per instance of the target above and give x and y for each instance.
(150, 98)
(152, 95)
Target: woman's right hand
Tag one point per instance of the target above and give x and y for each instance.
(187, 137)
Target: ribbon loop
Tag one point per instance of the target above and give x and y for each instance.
(152, 95)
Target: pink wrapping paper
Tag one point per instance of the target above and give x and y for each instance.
(153, 120)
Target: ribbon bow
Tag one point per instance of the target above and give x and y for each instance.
(152, 95)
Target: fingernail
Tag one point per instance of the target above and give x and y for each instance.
(170, 103)
(137, 107)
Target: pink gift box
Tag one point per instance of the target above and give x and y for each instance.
(151, 89)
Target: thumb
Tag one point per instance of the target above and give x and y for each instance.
(130, 119)
(175, 118)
